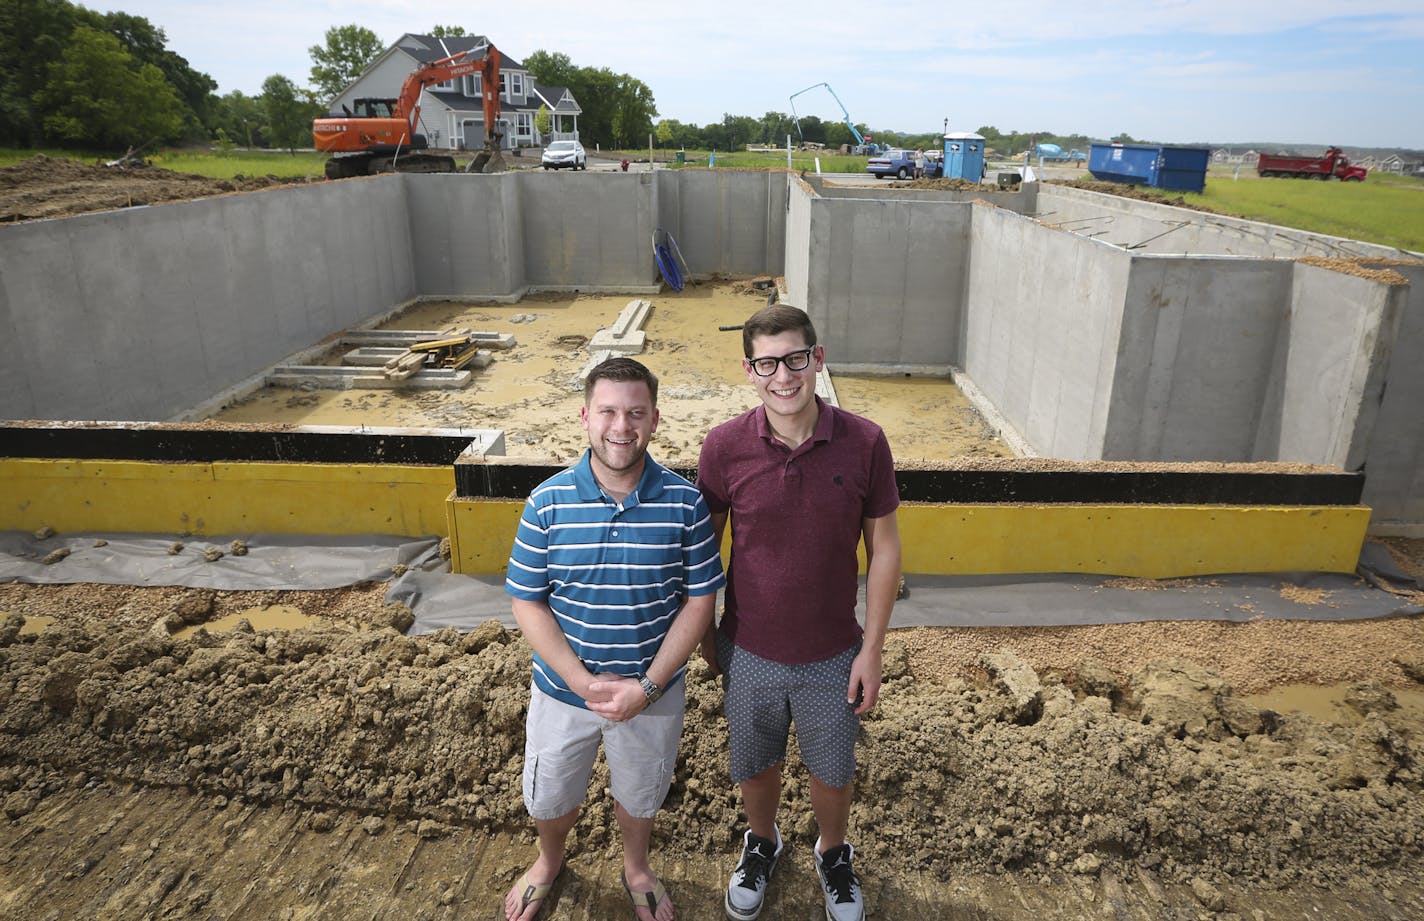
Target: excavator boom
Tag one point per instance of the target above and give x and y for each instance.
(381, 136)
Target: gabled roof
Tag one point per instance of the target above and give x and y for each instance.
(427, 48)
(557, 98)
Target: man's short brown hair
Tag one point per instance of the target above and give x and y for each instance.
(774, 319)
(621, 369)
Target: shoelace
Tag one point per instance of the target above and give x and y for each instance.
(838, 874)
(753, 867)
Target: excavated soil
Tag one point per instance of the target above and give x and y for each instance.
(46, 187)
(151, 769)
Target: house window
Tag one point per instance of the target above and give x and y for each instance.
(472, 85)
(448, 85)
(523, 124)
(511, 85)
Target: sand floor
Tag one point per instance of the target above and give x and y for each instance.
(532, 392)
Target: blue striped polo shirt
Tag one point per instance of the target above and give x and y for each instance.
(614, 574)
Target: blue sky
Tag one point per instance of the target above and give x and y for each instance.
(1169, 71)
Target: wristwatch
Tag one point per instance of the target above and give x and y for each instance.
(650, 689)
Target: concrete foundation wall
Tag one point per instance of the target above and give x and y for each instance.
(886, 280)
(1331, 365)
(586, 230)
(1042, 322)
(467, 235)
(1088, 350)
(801, 205)
(1194, 366)
(726, 221)
(1394, 456)
(1149, 227)
(137, 314)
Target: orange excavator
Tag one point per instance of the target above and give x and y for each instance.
(380, 135)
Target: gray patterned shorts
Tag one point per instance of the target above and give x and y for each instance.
(763, 699)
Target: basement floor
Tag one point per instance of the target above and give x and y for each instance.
(533, 393)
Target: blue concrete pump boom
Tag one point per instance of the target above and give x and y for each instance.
(859, 138)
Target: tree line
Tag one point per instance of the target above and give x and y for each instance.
(74, 78)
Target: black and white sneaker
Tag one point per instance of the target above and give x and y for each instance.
(747, 890)
(839, 884)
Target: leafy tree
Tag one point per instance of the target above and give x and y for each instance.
(552, 68)
(447, 31)
(148, 45)
(288, 116)
(99, 95)
(812, 130)
(775, 126)
(633, 112)
(347, 52)
(543, 121)
(241, 118)
(618, 110)
(33, 33)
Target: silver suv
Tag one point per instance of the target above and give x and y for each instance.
(561, 154)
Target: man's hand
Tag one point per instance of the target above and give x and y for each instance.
(865, 674)
(615, 698)
(709, 652)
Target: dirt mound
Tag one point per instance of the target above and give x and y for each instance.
(46, 187)
(942, 185)
(1128, 190)
(1165, 769)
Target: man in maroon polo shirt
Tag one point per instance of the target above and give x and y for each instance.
(804, 482)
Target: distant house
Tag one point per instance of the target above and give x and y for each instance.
(1394, 163)
(451, 114)
(1229, 155)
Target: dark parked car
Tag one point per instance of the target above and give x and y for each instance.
(901, 164)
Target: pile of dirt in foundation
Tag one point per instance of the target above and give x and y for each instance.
(1127, 190)
(1165, 769)
(46, 187)
(943, 185)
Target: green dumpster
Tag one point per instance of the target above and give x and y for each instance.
(681, 157)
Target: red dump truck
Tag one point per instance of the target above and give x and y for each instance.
(1332, 163)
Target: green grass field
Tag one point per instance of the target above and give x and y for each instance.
(1384, 209)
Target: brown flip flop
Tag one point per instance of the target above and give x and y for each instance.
(533, 893)
(649, 900)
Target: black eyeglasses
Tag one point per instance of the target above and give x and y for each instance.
(794, 361)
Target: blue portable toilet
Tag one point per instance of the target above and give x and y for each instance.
(964, 156)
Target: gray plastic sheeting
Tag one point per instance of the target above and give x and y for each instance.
(440, 599)
(273, 561)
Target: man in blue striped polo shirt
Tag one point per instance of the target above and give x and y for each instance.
(614, 574)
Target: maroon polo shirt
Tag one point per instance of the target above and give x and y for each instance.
(796, 519)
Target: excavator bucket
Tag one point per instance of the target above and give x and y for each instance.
(489, 160)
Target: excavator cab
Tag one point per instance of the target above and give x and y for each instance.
(377, 135)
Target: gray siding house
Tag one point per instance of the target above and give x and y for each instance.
(451, 116)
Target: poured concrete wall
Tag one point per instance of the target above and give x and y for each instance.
(885, 280)
(137, 314)
(1194, 368)
(1088, 350)
(1043, 321)
(801, 205)
(467, 235)
(1150, 227)
(1394, 456)
(725, 221)
(1331, 366)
